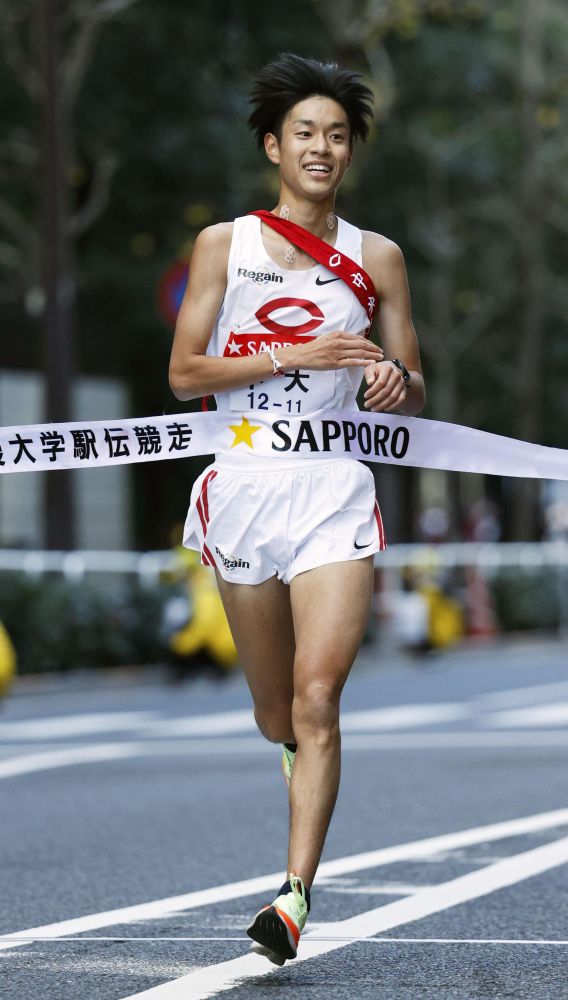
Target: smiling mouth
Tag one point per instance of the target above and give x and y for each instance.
(318, 171)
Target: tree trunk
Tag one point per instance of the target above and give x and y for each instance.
(59, 285)
(528, 375)
(444, 393)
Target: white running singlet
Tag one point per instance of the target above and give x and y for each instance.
(266, 305)
(254, 517)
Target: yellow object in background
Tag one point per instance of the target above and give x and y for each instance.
(208, 629)
(8, 661)
(446, 619)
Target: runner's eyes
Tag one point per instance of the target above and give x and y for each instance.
(336, 135)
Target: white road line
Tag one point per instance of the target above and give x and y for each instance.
(255, 745)
(457, 740)
(162, 908)
(370, 890)
(314, 937)
(63, 758)
(211, 980)
(391, 717)
(85, 724)
(214, 724)
(149, 724)
(403, 716)
(100, 937)
(242, 720)
(381, 888)
(98, 752)
(527, 695)
(555, 714)
(34, 747)
(525, 941)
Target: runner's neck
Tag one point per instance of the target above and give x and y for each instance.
(308, 215)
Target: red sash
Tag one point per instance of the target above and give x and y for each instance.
(340, 264)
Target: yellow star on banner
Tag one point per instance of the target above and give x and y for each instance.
(243, 432)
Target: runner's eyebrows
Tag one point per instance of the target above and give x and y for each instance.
(308, 121)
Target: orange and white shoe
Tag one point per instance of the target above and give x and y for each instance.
(276, 928)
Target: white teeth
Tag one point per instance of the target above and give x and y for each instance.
(318, 169)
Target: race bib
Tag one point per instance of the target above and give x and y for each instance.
(295, 392)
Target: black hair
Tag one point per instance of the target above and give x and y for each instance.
(291, 78)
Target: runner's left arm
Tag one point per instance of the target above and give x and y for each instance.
(387, 392)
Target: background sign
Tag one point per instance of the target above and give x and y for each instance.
(171, 290)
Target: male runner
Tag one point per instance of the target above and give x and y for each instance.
(292, 541)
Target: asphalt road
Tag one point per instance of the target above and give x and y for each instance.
(143, 824)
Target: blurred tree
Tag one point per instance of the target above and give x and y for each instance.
(49, 45)
(471, 167)
(466, 158)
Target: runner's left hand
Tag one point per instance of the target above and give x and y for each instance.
(387, 388)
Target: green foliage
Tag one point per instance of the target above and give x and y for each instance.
(527, 599)
(56, 624)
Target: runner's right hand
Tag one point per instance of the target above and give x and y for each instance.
(331, 351)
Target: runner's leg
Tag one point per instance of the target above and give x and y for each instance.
(260, 619)
(330, 606)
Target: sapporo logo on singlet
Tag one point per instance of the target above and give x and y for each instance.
(260, 277)
(231, 562)
(280, 334)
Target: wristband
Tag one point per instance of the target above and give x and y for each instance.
(277, 368)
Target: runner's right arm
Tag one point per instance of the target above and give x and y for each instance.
(194, 373)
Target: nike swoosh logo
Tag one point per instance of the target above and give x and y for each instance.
(362, 546)
(326, 282)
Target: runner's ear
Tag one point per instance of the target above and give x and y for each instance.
(271, 147)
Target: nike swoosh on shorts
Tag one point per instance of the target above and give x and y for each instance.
(327, 281)
(362, 546)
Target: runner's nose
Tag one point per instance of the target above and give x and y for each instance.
(319, 145)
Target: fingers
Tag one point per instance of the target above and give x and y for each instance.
(370, 374)
(354, 363)
(359, 352)
(353, 341)
(389, 407)
(387, 389)
(359, 359)
(392, 401)
(361, 349)
(341, 350)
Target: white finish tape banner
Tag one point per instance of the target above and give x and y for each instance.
(375, 437)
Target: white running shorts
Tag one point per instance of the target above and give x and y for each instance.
(253, 525)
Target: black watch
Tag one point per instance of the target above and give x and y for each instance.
(402, 368)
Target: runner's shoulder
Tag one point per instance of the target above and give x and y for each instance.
(382, 258)
(210, 255)
(379, 248)
(216, 238)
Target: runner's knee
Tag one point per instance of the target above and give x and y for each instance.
(275, 723)
(315, 709)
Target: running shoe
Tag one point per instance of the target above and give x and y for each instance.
(276, 928)
(288, 758)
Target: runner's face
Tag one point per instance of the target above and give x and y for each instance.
(314, 151)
